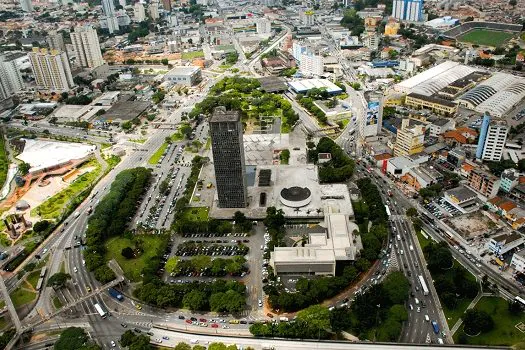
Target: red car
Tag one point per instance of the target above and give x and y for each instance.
(203, 320)
(214, 325)
(188, 321)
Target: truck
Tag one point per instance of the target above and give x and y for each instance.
(115, 294)
(283, 319)
(435, 326)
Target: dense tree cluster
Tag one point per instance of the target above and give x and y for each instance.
(6, 337)
(74, 338)
(339, 168)
(477, 321)
(352, 21)
(141, 31)
(78, 100)
(58, 280)
(111, 217)
(198, 296)
(205, 264)
(232, 57)
(135, 341)
(452, 282)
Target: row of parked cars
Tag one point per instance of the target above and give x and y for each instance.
(211, 250)
(214, 234)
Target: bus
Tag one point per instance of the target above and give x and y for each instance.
(520, 300)
(43, 272)
(39, 283)
(423, 285)
(100, 310)
(387, 210)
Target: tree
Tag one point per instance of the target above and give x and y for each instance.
(127, 253)
(200, 347)
(513, 3)
(316, 316)
(186, 130)
(182, 346)
(23, 168)
(477, 321)
(411, 211)
(195, 300)
(340, 319)
(127, 125)
(58, 280)
(41, 226)
(217, 346)
(74, 338)
(397, 287)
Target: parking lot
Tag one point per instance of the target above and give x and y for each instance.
(441, 209)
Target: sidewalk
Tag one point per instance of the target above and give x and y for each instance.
(473, 303)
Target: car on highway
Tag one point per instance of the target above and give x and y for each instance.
(88, 288)
(113, 344)
(138, 306)
(75, 269)
(124, 325)
(166, 337)
(189, 321)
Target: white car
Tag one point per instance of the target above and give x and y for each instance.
(113, 344)
(75, 269)
(260, 303)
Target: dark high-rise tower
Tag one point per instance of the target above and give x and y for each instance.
(228, 157)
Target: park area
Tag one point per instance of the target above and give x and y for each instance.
(485, 37)
(505, 331)
(145, 248)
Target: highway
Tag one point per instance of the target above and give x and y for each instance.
(404, 247)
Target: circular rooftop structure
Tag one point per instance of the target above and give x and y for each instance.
(295, 197)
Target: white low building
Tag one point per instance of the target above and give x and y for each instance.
(184, 75)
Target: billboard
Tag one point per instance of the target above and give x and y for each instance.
(372, 113)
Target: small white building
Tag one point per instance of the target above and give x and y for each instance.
(184, 75)
(518, 261)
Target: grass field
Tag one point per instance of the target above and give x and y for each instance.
(57, 303)
(33, 277)
(22, 296)
(196, 213)
(3, 323)
(2, 304)
(192, 54)
(53, 207)
(504, 333)
(132, 267)
(485, 37)
(156, 156)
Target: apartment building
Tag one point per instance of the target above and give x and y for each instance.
(87, 47)
(409, 139)
(51, 70)
(10, 78)
(55, 41)
(484, 183)
(139, 14)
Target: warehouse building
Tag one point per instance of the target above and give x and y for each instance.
(187, 76)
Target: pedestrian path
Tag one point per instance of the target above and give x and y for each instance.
(470, 306)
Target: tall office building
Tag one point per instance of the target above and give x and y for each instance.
(228, 157)
(307, 17)
(492, 137)
(153, 10)
(408, 10)
(55, 41)
(311, 65)
(86, 44)
(263, 26)
(10, 78)
(166, 5)
(26, 5)
(139, 14)
(109, 10)
(409, 140)
(51, 70)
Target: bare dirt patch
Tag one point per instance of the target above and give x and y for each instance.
(472, 225)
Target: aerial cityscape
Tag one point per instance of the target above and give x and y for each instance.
(262, 174)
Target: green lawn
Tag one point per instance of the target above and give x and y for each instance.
(192, 54)
(504, 333)
(208, 144)
(485, 37)
(196, 213)
(57, 303)
(63, 267)
(3, 323)
(53, 207)
(2, 304)
(22, 296)
(132, 267)
(156, 156)
(33, 277)
(423, 242)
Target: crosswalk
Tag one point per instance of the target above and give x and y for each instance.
(393, 263)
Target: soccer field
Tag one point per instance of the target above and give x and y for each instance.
(485, 37)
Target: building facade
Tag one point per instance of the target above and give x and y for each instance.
(26, 5)
(263, 26)
(51, 70)
(55, 41)
(409, 140)
(484, 183)
(139, 14)
(228, 158)
(307, 17)
(495, 141)
(10, 78)
(153, 10)
(509, 180)
(408, 10)
(87, 47)
(518, 261)
(166, 5)
(188, 76)
(108, 7)
(311, 65)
